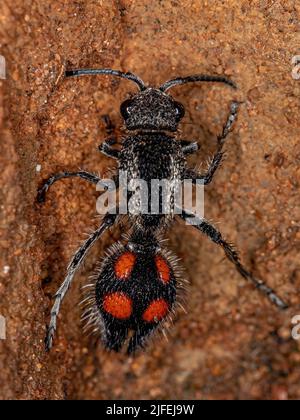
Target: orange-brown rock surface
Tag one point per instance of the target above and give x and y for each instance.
(232, 343)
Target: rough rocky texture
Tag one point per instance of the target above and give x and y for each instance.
(232, 343)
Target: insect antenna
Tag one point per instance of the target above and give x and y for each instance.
(110, 72)
(196, 78)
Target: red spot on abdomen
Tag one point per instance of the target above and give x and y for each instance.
(118, 305)
(163, 269)
(124, 265)
(156, 311)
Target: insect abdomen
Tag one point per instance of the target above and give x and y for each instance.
(133, 292)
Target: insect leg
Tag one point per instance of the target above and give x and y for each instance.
(188, 147)
(217, 158)
(232, 116)
(93, 179)
(205, 227)
(109, 151)
(74, 265)
(109, 125)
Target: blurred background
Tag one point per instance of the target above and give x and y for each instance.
(231, 343)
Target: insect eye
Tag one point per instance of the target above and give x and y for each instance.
(179, 111)
(126, 108)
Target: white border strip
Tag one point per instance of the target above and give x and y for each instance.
(2, 328)
(2, 67)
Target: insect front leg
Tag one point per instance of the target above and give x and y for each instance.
(189, 148)
(109, 125)
(107, 149)
(217, 158)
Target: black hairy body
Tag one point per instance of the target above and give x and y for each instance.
(153, 156)
(138, 284)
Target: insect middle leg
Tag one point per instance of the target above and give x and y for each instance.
(209, 230)
(93, 179)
